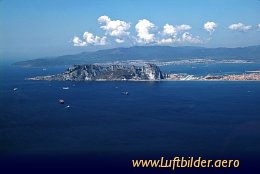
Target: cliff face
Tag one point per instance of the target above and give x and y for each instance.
(113, 72)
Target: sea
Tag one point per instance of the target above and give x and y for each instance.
(98, 126)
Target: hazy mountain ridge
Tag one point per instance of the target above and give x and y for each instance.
(163, 53)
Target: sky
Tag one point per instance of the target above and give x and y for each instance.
(36, 28)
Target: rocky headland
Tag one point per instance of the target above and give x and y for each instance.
(148, 72)
(112, 72)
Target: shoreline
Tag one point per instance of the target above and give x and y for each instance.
(163, 80)
(149, 72)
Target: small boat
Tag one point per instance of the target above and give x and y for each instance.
(65, 88)
(44, 69)
(15, 89)
(68, 106)
(124, 93)
(61, 101)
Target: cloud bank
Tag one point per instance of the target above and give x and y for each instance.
(147, 33)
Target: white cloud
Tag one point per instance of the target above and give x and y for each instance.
(94, 40)
(119, 40)
(174, 33)
(187, 37)
(143, 28)
(89, 39)
(105, 19)
(210, 26)
(115, 28)
(166, 41)
(169, 30)
(183, 27)
(78, 42)
(240, 27)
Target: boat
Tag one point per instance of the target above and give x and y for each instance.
(124, 93)
(15, 89)
(61, 101)
(65, 88)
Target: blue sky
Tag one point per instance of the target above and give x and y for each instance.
(35, 28)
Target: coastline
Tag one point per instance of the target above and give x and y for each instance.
(149, 72)
(162, 80)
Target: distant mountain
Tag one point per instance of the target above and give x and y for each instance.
(163, 53)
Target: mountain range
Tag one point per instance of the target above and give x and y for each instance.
(160, 53)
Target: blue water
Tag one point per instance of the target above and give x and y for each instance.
(213, 69)
(216, 118)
